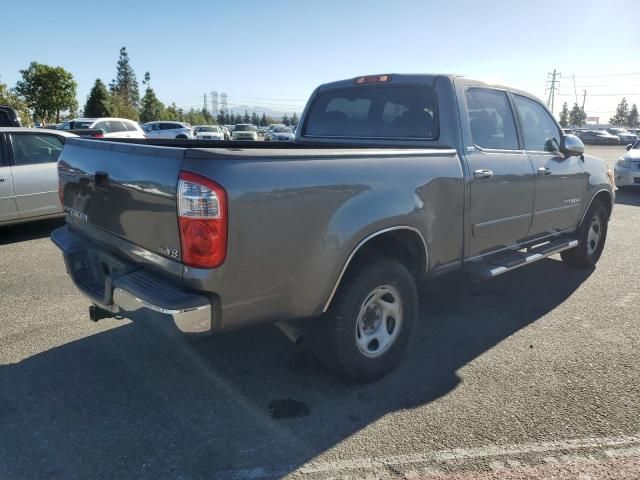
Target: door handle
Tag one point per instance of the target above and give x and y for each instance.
(483, 173)
(544, 171)
(3, 179)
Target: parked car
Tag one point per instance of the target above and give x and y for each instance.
(28, 174)
(208, 132)
(598, 137)
(111, 127)
(169, 130)
(624, 135)
(335, 229)
(245, 131)
(627, 169)
(9, 117)
(279, 134)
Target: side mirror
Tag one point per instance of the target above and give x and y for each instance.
(571, 146)
(629, 147)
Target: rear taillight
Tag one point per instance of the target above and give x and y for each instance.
(98, 135)
(202, 217)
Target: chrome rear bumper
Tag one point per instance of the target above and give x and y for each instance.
(128, 290)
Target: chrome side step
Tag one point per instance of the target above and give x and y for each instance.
(494, 266)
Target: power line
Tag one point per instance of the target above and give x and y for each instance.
(608, 75)
(603, 94)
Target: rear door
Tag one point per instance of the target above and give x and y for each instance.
(8, 207)
(34, 170)
(560, 182)
(500, 172)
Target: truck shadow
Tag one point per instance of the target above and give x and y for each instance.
(28, 231)
(134, 402)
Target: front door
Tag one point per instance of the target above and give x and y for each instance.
(560, 182)
(35, 174)
(500, 173)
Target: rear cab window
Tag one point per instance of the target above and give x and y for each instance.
(374, 111)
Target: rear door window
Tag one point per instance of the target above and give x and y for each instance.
(117, 126)
(491, 119)
(30, 149)
(378, 111)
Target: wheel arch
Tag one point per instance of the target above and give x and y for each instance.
(603, 195)
(403, 243)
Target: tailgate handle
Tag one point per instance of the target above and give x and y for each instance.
(102, 180)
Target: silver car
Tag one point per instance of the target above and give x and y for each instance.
(627, 169)
(28, 174)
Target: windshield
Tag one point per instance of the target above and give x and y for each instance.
(619, 130)
(282, 130)
(244, 128)
(207, 129)
(380, 111)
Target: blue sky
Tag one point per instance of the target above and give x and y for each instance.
(274, 53)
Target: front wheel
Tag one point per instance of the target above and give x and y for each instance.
(592, 235)
(370, 321)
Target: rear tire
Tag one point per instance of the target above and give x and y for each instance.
(370, 321)
(592, 235)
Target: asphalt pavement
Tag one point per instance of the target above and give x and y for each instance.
(534, 374)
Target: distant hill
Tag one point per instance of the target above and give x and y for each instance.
(267, 111)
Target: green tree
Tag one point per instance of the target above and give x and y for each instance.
(255, 119)
(632, 120)
(246, 118)
(564, 115)
(263, 120)
(285, 120)
(122, 109)
(621, 117)
(577, 116)
(125, 85)
(98, 102)
(47, 90)
(10, 98)
(151, 108)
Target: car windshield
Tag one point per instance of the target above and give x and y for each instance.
(207, 129)
(378, 111)
(619, 130)
(245, 128)
(282, 130)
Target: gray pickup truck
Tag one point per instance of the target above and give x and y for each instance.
(391, 180)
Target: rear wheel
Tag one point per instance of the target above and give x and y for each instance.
(182, 137)
(370, 321)
(592, 235)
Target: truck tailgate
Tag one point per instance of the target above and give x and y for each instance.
(127, 190)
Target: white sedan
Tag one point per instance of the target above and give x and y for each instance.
(209, 132)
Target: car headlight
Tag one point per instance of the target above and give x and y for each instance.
(622, 163)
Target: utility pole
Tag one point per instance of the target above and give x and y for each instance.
(223, 102)
(555, 84)
(575, 92)
(584, 98)
(214, 103)
(204, 106)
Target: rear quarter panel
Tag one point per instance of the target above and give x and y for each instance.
(294, 222)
